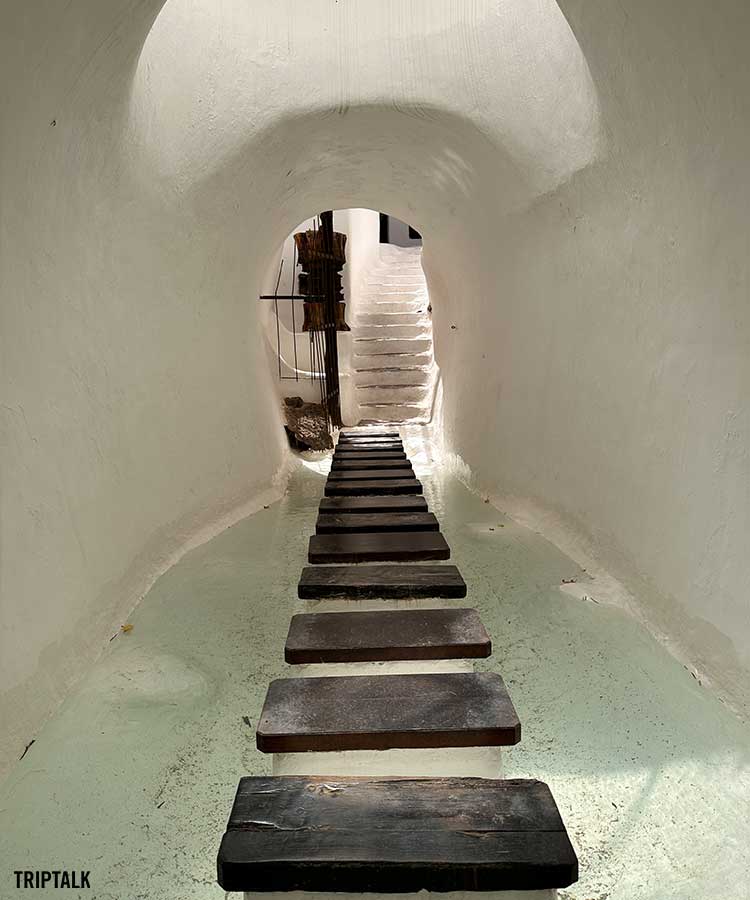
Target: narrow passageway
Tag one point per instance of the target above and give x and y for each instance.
(142, 760)
(568, 349)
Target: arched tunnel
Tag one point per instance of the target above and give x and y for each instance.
(577, 172)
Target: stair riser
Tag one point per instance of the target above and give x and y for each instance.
(397, 318)
(388, 346)
(394, 305)
(389, 377)
(392, 360)
(393, 291)
(407, 280)
(412, 332)
(398, 394)
(394, 413)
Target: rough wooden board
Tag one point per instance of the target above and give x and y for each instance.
(386, 635)
(346, 436)
(345, 456)
(384, 712)
(371, 448)
(396, 465)
(380, 582)
(364, 505)
(371, 432)
(412, 546)
(342, 488)
(370, 442)
(376, 522)
(395, 835)
(369, 474)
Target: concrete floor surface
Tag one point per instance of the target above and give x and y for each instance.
(134, 777)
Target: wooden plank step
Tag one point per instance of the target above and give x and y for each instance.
(385, 712)
(366, 438)
(365, 505)
(342, 488)
(380, 582)
(367, 454)
(394, 835)
(369, 442)
(376, 522)
(358, 435)
(345, 465)
(370, 448)
(371, 436)
(410, 546)
(358, 474)
(337, 637)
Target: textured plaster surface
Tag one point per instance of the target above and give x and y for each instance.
(134, 776)
(153, 157)
(578, 173)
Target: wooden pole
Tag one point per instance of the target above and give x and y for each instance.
(331, 355)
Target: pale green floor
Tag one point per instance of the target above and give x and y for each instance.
(134, 777)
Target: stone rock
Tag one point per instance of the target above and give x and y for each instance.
(306, 425)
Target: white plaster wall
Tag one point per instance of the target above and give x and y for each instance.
(398, 233)
(581, 200)
(607, 340)
(136, 411)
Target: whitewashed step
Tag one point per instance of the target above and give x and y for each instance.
(392, 318)
(406, 374)
(380, 346)
(415, 272)
(392, 360)
(399, 282)
(418, 305)
(388, 296)
(393, 393)
(385, 412)
(417, 330)
(395, 278)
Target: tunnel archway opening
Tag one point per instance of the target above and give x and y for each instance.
(385, 365)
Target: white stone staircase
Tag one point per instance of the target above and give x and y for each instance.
(393, 360)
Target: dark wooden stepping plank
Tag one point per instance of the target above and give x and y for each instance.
(343, 488)
(376, 522)
(367, 435)
(365, 505)
(363, 451)
(369, 442)
(410, 546)
(394, 835)
(380, 582)
(386, 635)
(344, 456)
(369, 474)
(384, 712)
(396, 465)
(366, 432)
(371, 448)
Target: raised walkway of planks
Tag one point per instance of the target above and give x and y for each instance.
(391, 835)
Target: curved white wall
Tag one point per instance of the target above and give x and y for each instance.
(611, 331)
(599, 315)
